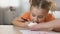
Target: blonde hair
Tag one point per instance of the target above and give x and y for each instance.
(52, 6)
(49, 4)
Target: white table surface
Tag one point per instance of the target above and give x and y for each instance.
(10, 29)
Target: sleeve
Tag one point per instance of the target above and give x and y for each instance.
(50, 17)
(26, 16)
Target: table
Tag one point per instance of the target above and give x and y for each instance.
(10, 29)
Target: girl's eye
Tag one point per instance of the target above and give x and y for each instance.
(40, 16)
(33, 15)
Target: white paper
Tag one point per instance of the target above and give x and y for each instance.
(36, 32)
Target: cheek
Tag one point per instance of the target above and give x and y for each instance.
(41, 19)
(32, 18)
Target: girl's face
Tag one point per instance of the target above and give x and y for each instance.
(38, 15)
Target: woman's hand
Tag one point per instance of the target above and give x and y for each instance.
(41, 26)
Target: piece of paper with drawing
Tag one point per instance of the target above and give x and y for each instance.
(36, 32)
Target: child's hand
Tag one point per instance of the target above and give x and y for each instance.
(41, 26)
(25, 25)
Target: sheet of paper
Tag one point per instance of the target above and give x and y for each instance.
(36, 32)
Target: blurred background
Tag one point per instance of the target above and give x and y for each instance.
(10, 9)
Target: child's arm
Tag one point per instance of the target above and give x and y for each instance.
(55, 25)
(20, 22)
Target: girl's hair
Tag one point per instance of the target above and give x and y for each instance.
(44, 4)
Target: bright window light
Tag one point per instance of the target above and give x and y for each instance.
(6, 3)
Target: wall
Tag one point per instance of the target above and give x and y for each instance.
(1, 16)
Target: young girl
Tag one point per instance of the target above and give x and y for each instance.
(39, 13)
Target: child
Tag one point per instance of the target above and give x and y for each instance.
(39, 13)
